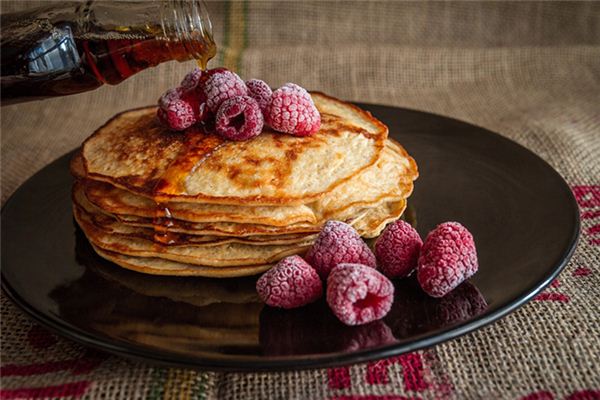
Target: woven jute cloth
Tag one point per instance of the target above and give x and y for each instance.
(529, 71)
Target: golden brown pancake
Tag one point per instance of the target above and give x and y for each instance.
(133, 151)
(194, 204)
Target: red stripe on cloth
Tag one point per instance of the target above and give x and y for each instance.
(593, 230)
(561, 298)
(587, 196)
(37, 369)
(588, 394)
(377, 372)
(582, 271)
(541, 395)
(338, 378)
(590, 214)
(595, 242)
(373, 397)
(412, 369)
(555, 283)
(75, 389)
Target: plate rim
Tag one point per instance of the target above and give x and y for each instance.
(303, 362)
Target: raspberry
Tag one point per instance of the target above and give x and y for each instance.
(171, 103)
(220, 86)
(169, 97)
(358, 294)
(178, 115)
(192, 88)
(448, 257)
(190, 81)
(397, 249)
(338, 243)
(239, 118)
(293, 111)
(259, 91)
(291, 283)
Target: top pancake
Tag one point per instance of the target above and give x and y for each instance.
(133, 151)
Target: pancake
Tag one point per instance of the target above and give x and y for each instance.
(134, 152)
(120, 201)
(377, 218)
(111, 225)
(221, 255)
(158, 266)
(390, 178)
(373, 214)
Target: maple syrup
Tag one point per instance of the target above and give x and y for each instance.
(73, 48)
(163, 220)
(196, 147)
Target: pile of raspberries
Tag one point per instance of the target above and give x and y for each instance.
(358, 283)
(219, 101)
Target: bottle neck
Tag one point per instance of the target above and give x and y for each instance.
(72, 47)
(187, 23)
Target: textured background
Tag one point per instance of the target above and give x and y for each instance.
(530, 71)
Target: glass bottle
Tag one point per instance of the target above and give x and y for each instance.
(73, 47)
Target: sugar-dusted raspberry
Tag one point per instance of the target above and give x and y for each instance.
(220, 86)
(178, 115)
(190, 81)
(358, 294)
(169, 97)
(293, 111)
(338, 243)
(239, 118)
(289, 284)
(448, 257)
(397, 249)
(259, 91)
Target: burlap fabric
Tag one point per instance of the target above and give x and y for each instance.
(530, 71)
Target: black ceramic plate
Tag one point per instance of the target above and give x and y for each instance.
(522, 214)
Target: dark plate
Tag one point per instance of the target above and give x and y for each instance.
(522, 214)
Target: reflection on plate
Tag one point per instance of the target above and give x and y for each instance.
(200, 315)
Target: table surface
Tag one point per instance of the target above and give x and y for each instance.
(529, 71)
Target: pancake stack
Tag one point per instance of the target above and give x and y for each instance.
(169, 203)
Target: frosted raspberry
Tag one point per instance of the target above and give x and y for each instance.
(291, 283)
(220, 86)
(448, 257)
(178, 115)
(338, 243)
(358, 294)
(169, 97)
(293, 111)
(239, 118)
(190, 81)
(259, 91)
(397, 249)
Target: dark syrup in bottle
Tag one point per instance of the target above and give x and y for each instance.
(73, 48)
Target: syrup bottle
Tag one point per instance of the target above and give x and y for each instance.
(74, 47)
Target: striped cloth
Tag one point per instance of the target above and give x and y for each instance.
(528, 70)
